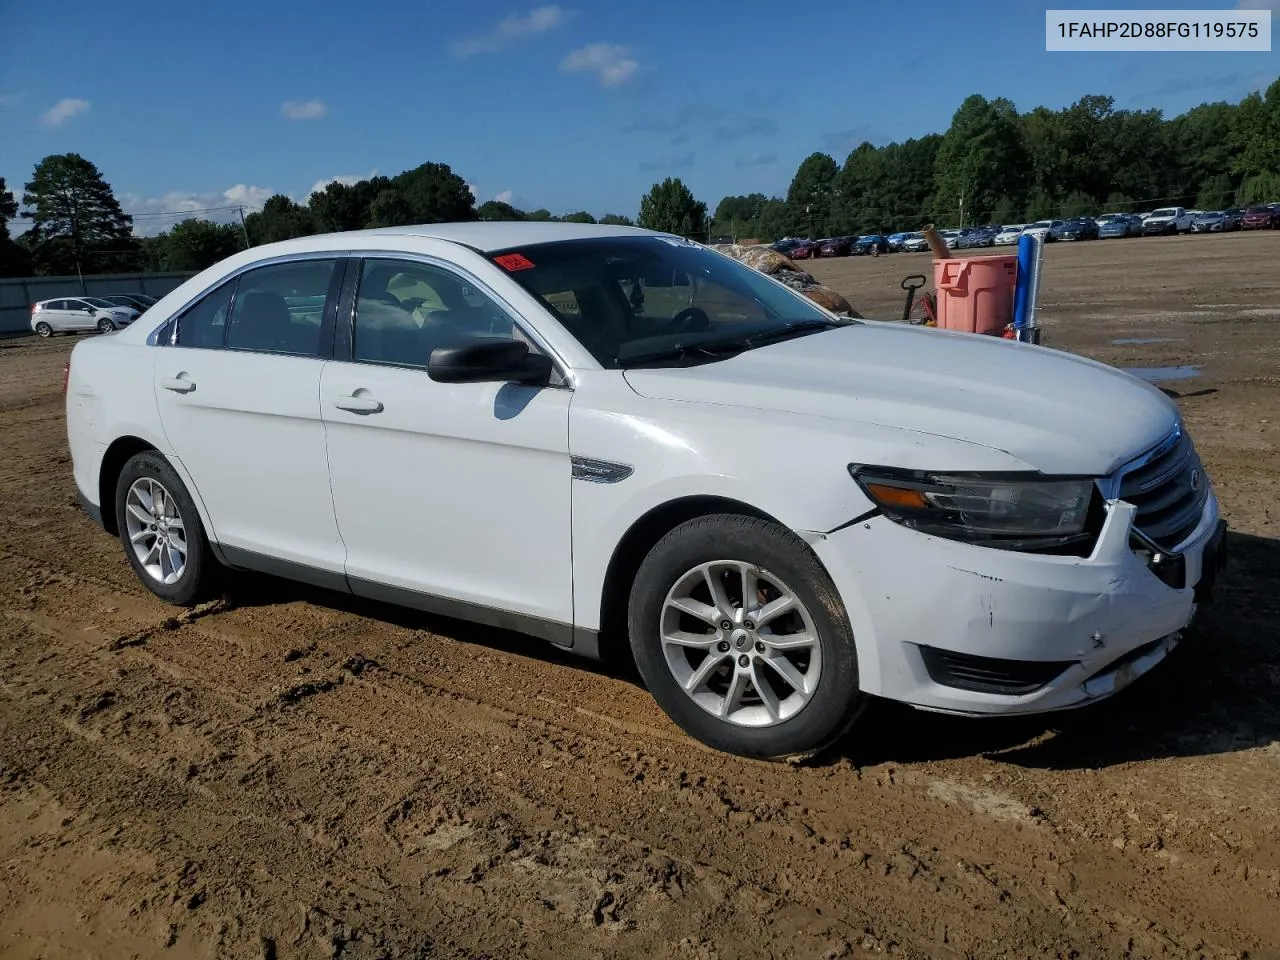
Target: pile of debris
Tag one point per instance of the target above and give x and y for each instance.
(770, 261)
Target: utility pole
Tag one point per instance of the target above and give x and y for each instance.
(243, 228)
(961, 209)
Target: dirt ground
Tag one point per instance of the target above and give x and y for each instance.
(292, 773)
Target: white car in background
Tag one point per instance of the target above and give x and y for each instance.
(1009, 233)
(68, 314)
(604, 435)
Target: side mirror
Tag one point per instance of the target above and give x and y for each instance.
(488, 360)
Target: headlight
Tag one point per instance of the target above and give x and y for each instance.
(1009, 511)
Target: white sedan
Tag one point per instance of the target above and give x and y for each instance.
(610, 438)
(1010, 233)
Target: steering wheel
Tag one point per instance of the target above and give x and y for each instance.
(689, 320)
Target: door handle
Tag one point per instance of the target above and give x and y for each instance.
(178, 384)
(361, 405)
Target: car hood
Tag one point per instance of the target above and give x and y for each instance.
(1056, 412)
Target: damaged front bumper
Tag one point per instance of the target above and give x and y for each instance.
(958, 628)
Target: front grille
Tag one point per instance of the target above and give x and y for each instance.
(990, 674)
(1169, 491)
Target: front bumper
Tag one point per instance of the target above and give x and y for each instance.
(1083, 628)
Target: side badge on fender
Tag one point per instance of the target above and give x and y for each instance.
(600, 471)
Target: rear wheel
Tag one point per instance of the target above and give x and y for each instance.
(742, 639)
(43, 329)
(161, 531)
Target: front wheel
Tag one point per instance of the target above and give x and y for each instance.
(105, 325)
(742, 639)
(161, 531)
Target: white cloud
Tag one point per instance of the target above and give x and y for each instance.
(504, 197)
(609, 61)
(511, 29)
(155, 214)
(350, 179)
(11, 99)
(63, 110)
(312, 109)
(474, 195)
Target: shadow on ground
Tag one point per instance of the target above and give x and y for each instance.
(1217, 692)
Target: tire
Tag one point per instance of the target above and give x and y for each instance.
(138, 481)
(105, 325)
(44, 330)
(790, 722)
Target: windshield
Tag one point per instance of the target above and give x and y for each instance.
(1166, 212)
(653, 300)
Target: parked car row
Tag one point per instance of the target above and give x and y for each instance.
(1162, 222)
(104, 314)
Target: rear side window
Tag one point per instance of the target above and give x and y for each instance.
(204, 323)
(280, 308)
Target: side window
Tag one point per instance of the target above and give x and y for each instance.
(280, 308)
(56, 305)
(204, 323)
(404, 310)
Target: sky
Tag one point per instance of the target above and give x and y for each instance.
(572, 105)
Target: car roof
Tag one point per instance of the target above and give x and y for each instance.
(489, 235)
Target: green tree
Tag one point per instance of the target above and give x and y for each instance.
(542, 213)
(76, 221)
(812, 196)
(1006, 209)
(341, 206)
(433, 193)
(617, 220)
(580, 217)
(1263, 188)
(1041, 205)
(1078, 204)
(1256, 133)
(1216, 193)
(671, 208)
(195, 244)
(390, 209)
(497, 210)
(14, 259)
(981, 158)
(1118, 202)
(280, 219)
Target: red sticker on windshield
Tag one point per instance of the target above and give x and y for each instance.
(513, 261)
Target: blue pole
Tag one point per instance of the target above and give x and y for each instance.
(1024, 281)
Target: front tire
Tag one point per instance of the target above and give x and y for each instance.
(105, 325)
(161, 531)
(43, 330)
(742, 639)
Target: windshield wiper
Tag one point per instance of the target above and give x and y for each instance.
(714, 350)
(720, 349)
(799, 328)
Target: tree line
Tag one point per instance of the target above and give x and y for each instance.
(992, 165)
(995, 165)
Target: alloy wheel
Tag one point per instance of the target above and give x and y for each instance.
(156, 530)
(740, 643)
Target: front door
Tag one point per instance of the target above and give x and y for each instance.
(239, 400)
(456, 491)
(79, 316)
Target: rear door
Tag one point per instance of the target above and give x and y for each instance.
(239, 398)
(54, 313)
